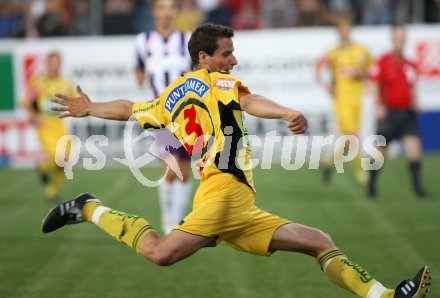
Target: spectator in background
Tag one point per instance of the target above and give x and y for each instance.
(376, 12)
(207, 5)
(279, 13)
(394, 79)
(81, 24)
(310, 13)
(189, 16)
(51, 23)
(34, 10)
(222, 14)
(342, 8)
(247, 16)
(12, 23)
(118, 17)
(143, 20)
(432, 11)
(402, 11)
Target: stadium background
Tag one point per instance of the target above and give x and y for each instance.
(391, 237)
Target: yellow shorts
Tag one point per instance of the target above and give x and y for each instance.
(224, 208)
(348, 114)
(49, 133)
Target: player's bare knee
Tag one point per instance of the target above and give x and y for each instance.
(325, 241)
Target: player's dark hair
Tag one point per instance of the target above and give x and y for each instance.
(205, 38)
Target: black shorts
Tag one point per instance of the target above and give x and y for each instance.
(398, 123)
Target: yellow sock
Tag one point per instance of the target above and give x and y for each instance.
(126, 228)
(388, 294)
(351, 276)
(329, 162)
(338, 153)
(44, 166)
(50, 191)
(88, 209)
(358, 164)
(58, 178)
(361, 175)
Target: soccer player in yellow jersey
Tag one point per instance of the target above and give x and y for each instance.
(348, 63)
(50, 128)
(201, 108)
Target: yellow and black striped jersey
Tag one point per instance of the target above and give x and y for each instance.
(202, 110)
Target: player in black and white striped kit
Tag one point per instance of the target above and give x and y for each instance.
(162, 56)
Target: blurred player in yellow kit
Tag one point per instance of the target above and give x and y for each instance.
(50, 128)
(348, 63)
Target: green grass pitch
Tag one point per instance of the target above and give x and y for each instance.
(390, 237)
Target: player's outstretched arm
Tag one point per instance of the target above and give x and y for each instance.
(263, 107)
(82, 106)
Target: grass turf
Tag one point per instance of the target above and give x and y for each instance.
(390, 237)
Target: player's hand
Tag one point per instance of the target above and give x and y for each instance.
(354, 73)
(296, 122)
(330, 90)
(140, 77)
(416, 107)
(36, 120)
(70, 106)
(381, 112)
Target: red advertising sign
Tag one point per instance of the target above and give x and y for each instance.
(428, 58)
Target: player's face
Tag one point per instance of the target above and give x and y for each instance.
(399, 38)
(53, 64)
(223, 58)
(165, 11)
(344, 29)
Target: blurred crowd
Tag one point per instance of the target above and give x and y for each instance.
(30, 18)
